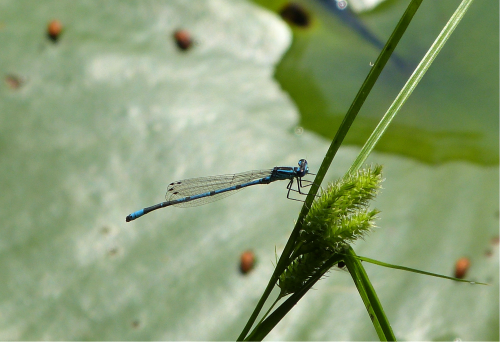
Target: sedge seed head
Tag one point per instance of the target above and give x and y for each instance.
(337, 218)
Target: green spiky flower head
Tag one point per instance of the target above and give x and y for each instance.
(337, 218)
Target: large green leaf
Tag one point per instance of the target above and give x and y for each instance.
(113, 112)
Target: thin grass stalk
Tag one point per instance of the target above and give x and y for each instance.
(411, 84)
(351, 114)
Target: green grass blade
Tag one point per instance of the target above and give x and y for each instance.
(369, 296)
(363, 93)
(411, 84)
(380, 263)
(351, 114)
(270, 322)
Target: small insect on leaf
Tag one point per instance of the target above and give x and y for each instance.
(183, 39)
(54, 29)
(247, 262)
(461, 267)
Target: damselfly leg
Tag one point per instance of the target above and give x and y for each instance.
(300, 185)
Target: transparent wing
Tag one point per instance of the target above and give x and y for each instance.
(196, 186)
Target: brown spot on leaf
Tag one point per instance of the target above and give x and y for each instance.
(295, 15)
(13, 81)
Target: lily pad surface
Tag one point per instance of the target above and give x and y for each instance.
(97, 123)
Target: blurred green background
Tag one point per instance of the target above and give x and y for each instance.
(96, 125)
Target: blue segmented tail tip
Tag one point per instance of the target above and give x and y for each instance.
(135, 215)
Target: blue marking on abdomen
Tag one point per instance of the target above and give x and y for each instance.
(137, 214)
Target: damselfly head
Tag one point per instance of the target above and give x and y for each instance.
(303, 168)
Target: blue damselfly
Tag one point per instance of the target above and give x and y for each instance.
(198, 191)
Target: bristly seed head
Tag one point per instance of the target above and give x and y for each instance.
(341, 215)
(337, 218)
